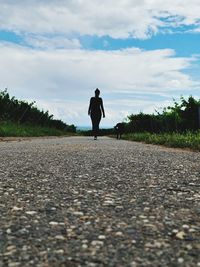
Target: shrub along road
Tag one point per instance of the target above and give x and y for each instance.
(79, 202)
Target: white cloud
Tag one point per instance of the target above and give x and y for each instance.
(63, 80)
(54, 42)
(121, 19)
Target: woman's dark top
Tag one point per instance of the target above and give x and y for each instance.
(95, 105)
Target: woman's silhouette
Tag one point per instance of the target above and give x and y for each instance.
(95, 111)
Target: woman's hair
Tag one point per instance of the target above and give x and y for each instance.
(97, 91)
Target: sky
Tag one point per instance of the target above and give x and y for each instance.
(141, 54)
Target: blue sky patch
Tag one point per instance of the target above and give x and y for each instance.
(185, 44)
(8, 36)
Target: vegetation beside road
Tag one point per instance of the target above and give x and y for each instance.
(175, 126)
(180, 117)
(20, 118)
(10, 129)
(187, 140)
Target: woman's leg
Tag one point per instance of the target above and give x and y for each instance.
(96, 118)
(97, 126)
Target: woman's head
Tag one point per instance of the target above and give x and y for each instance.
(97, 92)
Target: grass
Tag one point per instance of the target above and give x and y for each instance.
(9, 129)
(187, 140)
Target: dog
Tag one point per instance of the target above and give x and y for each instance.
(119, 129)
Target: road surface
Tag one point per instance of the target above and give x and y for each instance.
(78, 202)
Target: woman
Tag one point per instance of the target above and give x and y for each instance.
(95, 111)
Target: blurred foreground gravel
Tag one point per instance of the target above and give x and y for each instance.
(79, 202)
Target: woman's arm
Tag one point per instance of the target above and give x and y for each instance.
(102, 108)
(89, 109)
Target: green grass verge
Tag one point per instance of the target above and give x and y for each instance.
(9, 129)
(187, 140)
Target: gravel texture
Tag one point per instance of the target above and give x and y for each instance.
(79, 202)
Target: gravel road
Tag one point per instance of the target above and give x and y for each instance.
(79, 202)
